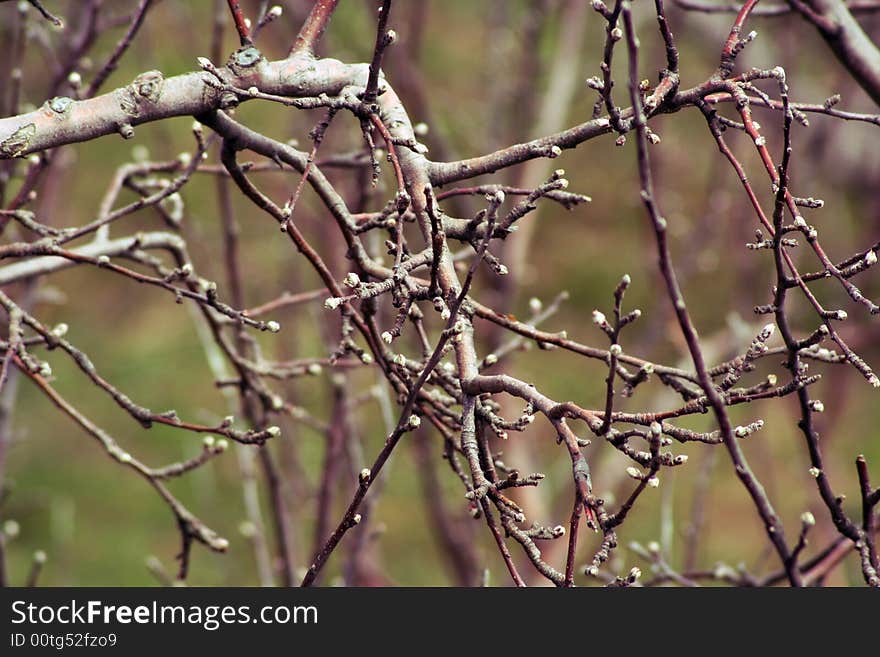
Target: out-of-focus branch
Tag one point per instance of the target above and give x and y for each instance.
(40, 266)
(123, 45)
(855, 50)
(768, 10)
(45, 13)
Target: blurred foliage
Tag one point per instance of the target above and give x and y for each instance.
(98, 523)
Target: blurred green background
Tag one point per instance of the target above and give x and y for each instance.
(480, 84)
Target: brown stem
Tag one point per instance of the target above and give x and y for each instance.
(311, 31)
